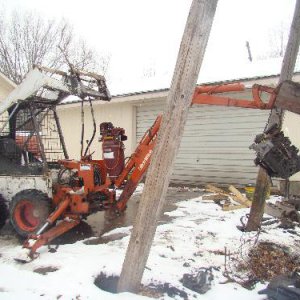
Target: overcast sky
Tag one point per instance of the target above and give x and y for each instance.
(142, 37)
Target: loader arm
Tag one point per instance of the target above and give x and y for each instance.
(52, 86)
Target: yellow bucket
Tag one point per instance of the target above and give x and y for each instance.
(249, 190)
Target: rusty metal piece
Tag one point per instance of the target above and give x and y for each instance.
(288, 97)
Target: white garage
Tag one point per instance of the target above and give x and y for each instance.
(214, 147)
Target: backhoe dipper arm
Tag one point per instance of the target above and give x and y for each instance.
(206, 95)
(137, 165)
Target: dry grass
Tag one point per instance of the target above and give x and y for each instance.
(267, 260)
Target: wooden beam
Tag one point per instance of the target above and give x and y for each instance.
(179, 98)
(233, 207)
(213, 189)
(239, 197)
(263, 181)
(292, 48)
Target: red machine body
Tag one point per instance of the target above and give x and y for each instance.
(113, 149)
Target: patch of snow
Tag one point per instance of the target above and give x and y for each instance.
(195, 237)
(125, 230)
(139, 189)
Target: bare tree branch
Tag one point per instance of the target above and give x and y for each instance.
(27, 39)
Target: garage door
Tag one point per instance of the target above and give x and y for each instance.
(214, 147)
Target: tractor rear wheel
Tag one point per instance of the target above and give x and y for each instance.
(3, 211)
(29, 210)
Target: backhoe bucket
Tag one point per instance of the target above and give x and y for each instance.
(288, 97)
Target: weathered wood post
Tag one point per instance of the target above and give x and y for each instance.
(287, 69)
(179, 98)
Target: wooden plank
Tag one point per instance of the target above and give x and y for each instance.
(263, 181)
(239, 197)
(184, 80)
(215, 197)
(214, 189)
(232, 207)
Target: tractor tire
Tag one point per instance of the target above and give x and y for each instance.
(3, 211)
(29, 210)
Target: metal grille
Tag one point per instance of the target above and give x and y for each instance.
(50, 138)
(29, 140)
(4, 127)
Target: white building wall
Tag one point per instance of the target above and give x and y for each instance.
(120, 114)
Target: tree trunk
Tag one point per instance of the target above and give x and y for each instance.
(179, 98)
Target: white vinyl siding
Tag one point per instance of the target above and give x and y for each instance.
(215, 144)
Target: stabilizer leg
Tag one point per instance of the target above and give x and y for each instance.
(36, 241)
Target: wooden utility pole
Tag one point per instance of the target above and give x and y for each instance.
(179, 98)
(263, 180)
(292, 49)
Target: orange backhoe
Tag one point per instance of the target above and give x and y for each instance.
(87, 186)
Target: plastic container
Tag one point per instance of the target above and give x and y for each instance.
(250, 189)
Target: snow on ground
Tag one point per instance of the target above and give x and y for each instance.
(195, 237)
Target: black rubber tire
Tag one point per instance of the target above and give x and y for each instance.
(28, 211)
(3, 211)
